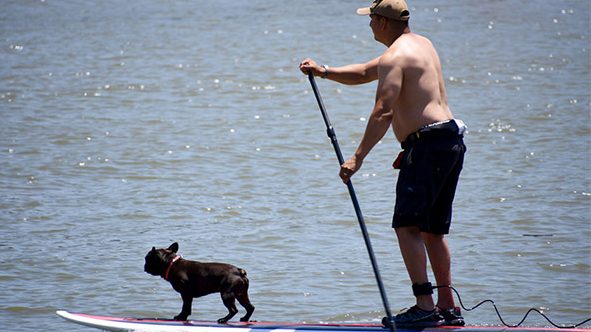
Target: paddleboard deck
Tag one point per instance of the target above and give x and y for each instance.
(153, 324)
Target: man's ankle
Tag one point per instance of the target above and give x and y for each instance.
(425, 303)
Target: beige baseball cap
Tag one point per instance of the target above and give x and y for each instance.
(394, 9)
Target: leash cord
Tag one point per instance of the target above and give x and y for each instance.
(524, 317)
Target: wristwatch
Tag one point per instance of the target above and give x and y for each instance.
(325, 71)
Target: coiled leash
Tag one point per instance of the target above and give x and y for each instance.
(423, 290)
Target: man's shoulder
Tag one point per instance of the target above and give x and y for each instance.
(413, 37)
(408, 47)
(399, 51)
(391, 58)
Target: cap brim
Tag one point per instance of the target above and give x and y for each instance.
(364, 11)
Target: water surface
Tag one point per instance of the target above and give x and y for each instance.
(131, 125)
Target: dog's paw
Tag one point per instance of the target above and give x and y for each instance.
(222, 321)
(180, 317)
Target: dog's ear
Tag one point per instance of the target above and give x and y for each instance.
(153, 248)
(174, 247)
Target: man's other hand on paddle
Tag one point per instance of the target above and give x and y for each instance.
(348, 168)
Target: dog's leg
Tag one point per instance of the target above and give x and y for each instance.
(245, 302)
(186, 311)
(229, 301)
(242, 296)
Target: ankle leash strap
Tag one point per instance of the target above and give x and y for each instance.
(422, 289)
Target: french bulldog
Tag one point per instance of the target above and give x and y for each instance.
(195, 279)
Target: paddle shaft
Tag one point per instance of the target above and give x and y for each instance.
(333, 138)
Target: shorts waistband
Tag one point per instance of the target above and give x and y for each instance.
(451, 127)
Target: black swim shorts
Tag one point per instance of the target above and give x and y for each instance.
(429, 173)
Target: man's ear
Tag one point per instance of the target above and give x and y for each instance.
(384, 23)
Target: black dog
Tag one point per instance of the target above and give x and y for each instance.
(195, 279)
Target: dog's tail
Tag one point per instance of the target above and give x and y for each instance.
(243, 275)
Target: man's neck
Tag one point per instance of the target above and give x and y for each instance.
(395, 35)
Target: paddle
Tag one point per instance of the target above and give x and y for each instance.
(333, 138)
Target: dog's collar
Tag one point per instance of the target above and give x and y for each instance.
(176, 258)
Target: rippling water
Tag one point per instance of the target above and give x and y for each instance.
(131, 125)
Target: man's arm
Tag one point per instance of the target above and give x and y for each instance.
(389, 85)
(352, 74)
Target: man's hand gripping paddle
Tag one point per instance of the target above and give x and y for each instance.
(333, 138)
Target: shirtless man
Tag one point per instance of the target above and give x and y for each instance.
(411, 98)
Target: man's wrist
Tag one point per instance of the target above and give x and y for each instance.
(325, 73)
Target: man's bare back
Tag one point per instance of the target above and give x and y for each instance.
(411, 66)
